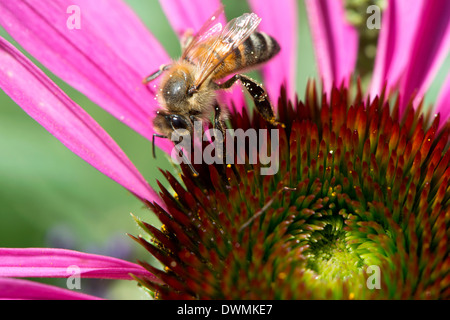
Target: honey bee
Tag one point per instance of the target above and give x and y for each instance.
(187, 91)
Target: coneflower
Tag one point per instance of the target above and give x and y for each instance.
(358, 209)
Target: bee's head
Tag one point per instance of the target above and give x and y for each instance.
(170, 124)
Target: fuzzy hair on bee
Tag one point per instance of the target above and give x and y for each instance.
(174, 94)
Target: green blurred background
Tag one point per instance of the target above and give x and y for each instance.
(51, 198)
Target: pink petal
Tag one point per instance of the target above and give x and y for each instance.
(429, 49)
(185, 15)
(279, 19)
(398, 27)
(55, 263)
(443, 102)
(106, 59)
(33, 91)
(335, 41)
(17, 289)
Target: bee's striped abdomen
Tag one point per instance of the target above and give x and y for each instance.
(257, 49)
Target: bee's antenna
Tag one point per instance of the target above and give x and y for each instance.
(153, 142)
(156, 74)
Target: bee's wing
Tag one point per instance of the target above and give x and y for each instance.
(222, 45)
(210, 28)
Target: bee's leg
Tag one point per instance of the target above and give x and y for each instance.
(156, 74)
(180, 152)
(259, 95)
(186, 161)
(218, 122)
(220, 143)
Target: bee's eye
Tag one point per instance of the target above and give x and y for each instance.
(178, 123)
